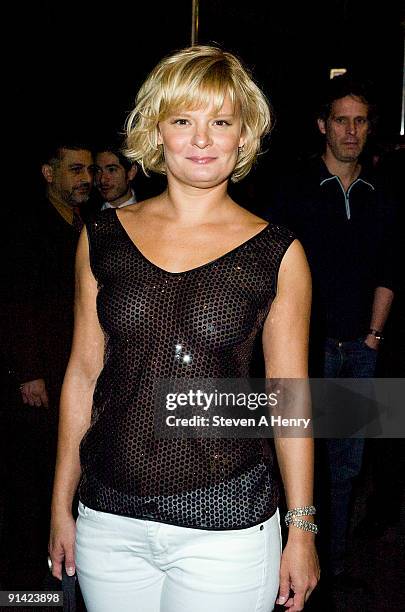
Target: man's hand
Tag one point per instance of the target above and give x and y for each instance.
(34, 393)
(372, 342)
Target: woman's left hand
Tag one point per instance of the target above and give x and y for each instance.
(299, 571)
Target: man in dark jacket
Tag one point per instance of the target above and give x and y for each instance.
(345, 221)
(37, 326)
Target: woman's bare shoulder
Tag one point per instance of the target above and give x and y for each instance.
(139, 208)
(245, 217)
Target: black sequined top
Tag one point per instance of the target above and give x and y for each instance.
(201, 323)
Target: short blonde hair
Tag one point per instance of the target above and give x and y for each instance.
(193, 78)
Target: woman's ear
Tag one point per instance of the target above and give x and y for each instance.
(242, 139)
(159, 135)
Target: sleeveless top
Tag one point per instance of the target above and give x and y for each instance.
(213, 313)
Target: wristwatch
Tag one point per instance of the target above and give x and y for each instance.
(376, 333)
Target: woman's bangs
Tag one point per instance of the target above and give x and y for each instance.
(204, 91)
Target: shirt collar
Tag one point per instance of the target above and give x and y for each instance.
(364, 176)
(131, 200)
(65, 211)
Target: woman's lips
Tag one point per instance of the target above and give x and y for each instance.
(202, 160)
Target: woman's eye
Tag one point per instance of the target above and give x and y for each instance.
(180, 121)
(222, 122)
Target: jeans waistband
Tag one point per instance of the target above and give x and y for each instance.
(338, 342)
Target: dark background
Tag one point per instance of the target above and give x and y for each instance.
(75, 68)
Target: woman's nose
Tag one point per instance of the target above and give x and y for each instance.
(201, 137)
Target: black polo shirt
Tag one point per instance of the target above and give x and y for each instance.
(349, 241)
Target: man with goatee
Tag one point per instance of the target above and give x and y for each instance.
(37, 321)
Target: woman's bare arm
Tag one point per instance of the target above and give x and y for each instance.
(285, 344)
(84, 366)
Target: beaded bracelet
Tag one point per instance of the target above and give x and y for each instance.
(302, 511)
(305, 525)
(292, 518)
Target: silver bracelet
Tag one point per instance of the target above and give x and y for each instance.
(301, 511)
(305, 525)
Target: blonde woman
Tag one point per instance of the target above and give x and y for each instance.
(179, 286)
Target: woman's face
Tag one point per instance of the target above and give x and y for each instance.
(201, 147)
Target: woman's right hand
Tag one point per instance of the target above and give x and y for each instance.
(62, 544)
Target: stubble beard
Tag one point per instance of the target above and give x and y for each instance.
(340, 153)
(72, 198)
(121, 194)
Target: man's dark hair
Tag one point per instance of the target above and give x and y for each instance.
(115, 149)
(52, 152)
(346, 85)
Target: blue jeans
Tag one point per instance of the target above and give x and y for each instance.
(352, 359)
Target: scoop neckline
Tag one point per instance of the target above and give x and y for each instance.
(209, 263)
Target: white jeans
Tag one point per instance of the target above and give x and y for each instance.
(131, 565)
